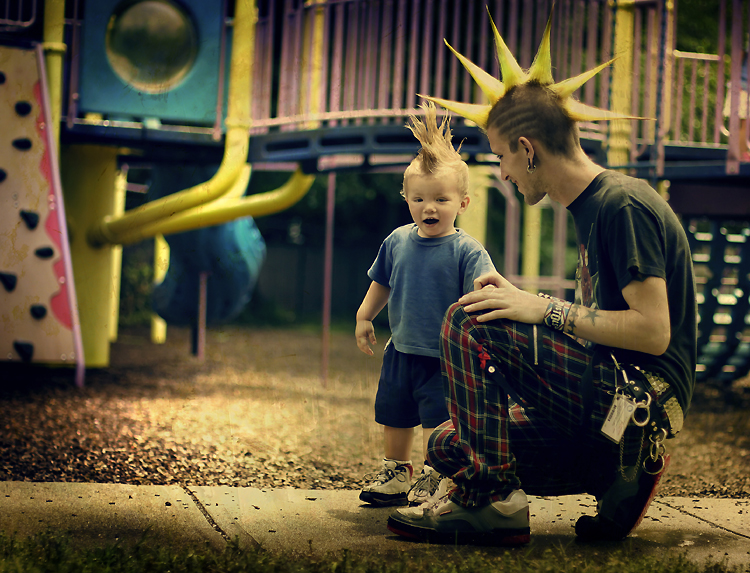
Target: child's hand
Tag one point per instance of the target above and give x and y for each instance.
(365, 333)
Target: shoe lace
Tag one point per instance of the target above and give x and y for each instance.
(433, 503)
(385, 475)
(426, 485)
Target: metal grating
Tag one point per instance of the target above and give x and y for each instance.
(721, 258)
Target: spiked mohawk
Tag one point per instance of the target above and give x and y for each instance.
(513, 75)
(437, 155)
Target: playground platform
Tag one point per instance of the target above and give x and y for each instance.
(316, 522)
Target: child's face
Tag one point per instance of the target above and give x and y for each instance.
(434, 204)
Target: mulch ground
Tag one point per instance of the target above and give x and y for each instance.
(256, 412)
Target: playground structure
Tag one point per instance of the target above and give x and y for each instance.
(320, 87)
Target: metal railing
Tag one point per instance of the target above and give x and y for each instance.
(17, 14)
(372, 57)
(696, 107)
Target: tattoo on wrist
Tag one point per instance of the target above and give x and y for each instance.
(570, 325)
(557, 312)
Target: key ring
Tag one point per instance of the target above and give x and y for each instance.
(642, 406)
(657, 449)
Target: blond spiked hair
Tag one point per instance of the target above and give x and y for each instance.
(437, 157)
(538, 75)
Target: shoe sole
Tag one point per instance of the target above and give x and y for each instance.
(382, 500)
(496, 537)
(657, 478)
(596, 528)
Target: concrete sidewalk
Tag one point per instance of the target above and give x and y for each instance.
(319, 521)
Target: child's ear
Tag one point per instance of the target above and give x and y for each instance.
(464, 204)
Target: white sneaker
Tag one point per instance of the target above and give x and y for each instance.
(390, 485)
(430, 486)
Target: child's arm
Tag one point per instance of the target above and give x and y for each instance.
(375, 300)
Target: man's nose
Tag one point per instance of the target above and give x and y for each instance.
(503, 175)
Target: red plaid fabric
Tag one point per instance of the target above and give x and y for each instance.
(492, 445)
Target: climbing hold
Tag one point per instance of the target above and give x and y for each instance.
(2, 78)
(22, 144)
(38, 311)
(9, 281)
(44, 252)
(30, 218)
(25, 350)
(3, 175)
(23, 108)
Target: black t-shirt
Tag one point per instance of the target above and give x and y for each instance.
(627, 231)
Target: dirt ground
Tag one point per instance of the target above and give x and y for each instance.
(256, 412)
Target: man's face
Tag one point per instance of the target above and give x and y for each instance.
(513, 167)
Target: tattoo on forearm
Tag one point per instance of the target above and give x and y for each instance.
(592, 315)
(570, 324)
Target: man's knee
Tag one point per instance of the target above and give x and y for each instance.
(440, 435)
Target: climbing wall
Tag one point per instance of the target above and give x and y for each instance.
(38, 320)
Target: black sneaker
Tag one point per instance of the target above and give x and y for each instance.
(623, 506)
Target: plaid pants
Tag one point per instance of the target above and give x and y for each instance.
(493, 444)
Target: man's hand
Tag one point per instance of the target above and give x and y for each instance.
(496, 298)
(365, 333)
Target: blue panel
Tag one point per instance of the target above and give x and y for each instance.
(191, 101)
(233, 255)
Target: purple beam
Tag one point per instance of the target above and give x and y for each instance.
(328, 275)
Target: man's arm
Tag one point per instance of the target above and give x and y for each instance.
(644, 327)
(375, 300)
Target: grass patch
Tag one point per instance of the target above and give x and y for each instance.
(54, 553)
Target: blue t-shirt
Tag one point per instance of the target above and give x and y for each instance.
(425, 276)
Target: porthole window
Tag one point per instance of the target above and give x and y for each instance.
(151, 44)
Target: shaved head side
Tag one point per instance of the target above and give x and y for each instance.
(535, 112)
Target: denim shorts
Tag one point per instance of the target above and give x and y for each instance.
(410, 391)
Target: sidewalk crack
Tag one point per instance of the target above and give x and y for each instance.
(205, 513)
(681, 510)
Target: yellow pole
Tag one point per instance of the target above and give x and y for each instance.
(474, 219)
(225, 210)
(88, 174)
(622, 73)
(121, 188)
(312, 63)
(161, 265)
(54, 48)
(111, 229)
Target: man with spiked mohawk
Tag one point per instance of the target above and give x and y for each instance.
(586, 417)
(420, 270)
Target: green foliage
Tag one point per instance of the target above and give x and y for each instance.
(367, 208)
(48, 553)
(136, 284)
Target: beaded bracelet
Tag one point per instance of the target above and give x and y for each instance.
(556, 313)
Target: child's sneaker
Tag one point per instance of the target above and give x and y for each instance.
(430, 485)
(390, 485)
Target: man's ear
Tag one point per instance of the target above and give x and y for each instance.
(528, 146)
